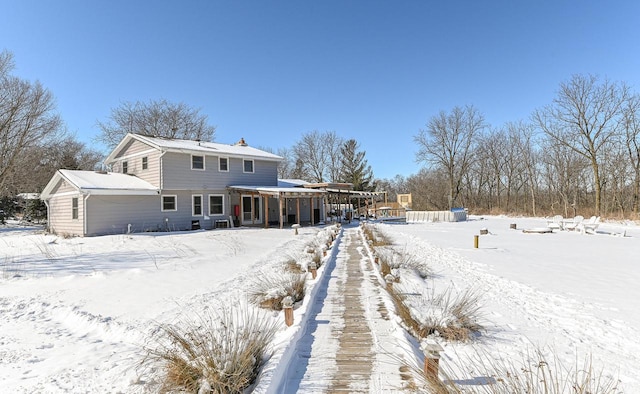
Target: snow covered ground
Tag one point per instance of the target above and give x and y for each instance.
(76, 313)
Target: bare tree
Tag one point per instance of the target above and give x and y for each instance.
(334, 145)
(37, 164)
(448, 144)
(315, 154)
(27, 117)
(585, 117)
(631, 126)
(158, 118)
(524, 147)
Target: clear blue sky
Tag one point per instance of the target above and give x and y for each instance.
(269, 71)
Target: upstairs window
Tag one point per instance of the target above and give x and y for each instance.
(197, 162)
(223, 164)
(248, 165)
(145, 163)
(125, 167)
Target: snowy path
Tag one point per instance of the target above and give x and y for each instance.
(339, 351)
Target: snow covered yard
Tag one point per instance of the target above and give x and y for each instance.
(75, 313)
(572, 294)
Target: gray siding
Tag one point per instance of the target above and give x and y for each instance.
(178, 174)
(113, 214)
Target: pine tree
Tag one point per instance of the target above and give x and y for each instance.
(355, 168)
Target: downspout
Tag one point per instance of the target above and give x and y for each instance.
(84, 214)
(161, 171)
(46, 202)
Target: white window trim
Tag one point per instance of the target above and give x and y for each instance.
(125, 163)
(193, 205)
(227, 159)
(142, 163)
(162, 202)
(224, 205)
(204, 164)
(253, 166)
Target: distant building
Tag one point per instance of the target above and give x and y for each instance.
(404, 200)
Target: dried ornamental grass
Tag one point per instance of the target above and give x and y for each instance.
(535, 372)
(270, 288)
(219, 352)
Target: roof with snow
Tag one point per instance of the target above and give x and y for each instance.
(100, 182)
(290, 192)
(240, 149)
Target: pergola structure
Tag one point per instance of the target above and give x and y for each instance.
(283, 195)
(338, 192)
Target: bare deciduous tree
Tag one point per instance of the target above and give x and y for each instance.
(37, 164)
(27, 117)
(315, 154)
(158, 118)
(631, 126)
(585, 117)
(448, 144)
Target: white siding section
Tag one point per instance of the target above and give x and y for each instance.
(60, 220)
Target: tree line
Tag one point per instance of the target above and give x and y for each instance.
(578, 154)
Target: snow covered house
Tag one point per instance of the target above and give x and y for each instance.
(162, 184)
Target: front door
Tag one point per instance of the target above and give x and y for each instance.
(251, 210)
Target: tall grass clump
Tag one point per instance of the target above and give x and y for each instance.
(270, 288)
(395, 259)
(376, 236)
(452, 316)
(534, 372)
(219, 352)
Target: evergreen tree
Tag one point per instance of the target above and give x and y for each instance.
(355, 168)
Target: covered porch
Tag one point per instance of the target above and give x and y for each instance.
(266, 205)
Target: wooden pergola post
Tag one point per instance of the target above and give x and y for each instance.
(266, 211)
(298, 210)
(280, 209)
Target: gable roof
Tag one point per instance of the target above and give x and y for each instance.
(94, 182)
(195, 147)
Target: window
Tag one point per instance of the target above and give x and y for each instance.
(223, 164)
(216, 204)
(145, 163)
(74, 208)
(196, 204)
(125, 167)
(169, 203)
(248, 166)
(197, 162)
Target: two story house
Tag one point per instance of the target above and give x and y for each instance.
(162, 184)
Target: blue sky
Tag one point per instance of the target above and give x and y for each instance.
(270, 71)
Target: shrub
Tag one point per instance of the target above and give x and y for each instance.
(218, 352)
